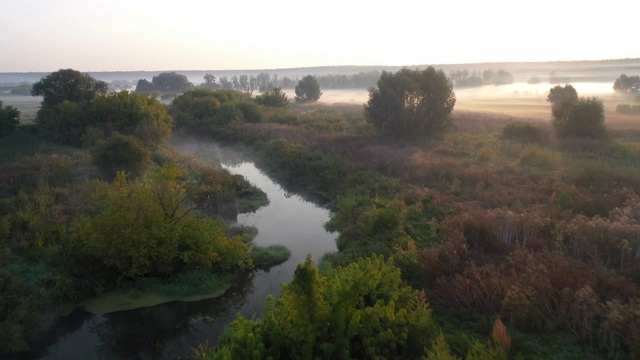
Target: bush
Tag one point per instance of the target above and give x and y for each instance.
(525, 133)
(582, 118)
(267, 256)
(627, 109)
(9, 119)
(542, 158)
(122, 153)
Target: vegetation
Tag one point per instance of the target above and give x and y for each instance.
(308, 89)
(67, 85)
(273, 98)
(166, 83)
(117, 210)
(525, 133)
(576, 117)
(525, 248)
(411, 104)
(264, 257)
(627, 84)
(9, 119)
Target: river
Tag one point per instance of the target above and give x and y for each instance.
(171, 330)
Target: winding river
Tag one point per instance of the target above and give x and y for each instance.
(172, 330)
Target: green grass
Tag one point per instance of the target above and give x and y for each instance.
(267, 256)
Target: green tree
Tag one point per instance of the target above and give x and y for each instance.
(308, 89)
(574, 116)
(165, 82)
(130, 113)
(273, 98)
(362, 311)
(122, 153)
(64, 123)
(582, 118)
(68, 84)
(66, 94)
(559, 94)
(413, 104)
(9, 119)
(627, 84)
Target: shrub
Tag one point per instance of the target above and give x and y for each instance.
(525, 133)
(9, 119)
(545, 159)
(122, 153)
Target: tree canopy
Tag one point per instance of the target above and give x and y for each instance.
(165, 82)
(627, 84)
(412, 104)
(362, 311)
(9, 119)
(273, 98)
(68, 84)
(308, 89)
(575, 116)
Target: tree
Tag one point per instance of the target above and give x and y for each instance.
(308, 89)
(559, 94)
(129, 113)
(68, 84)
(273, 98)
(122, 153)
(583, 117)
(362, 311)
(574, 116)
(411, 104)
(9, 119)
(165, 82)
(627, 84)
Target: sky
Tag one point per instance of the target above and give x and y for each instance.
(130, 35)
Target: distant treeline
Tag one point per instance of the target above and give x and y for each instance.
(466, 78)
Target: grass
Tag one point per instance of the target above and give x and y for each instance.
(147, 292)
(267, 256)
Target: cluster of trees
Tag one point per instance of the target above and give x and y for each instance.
(170, 82)
(464, 78)
(573, 116)
(114, 208)
(361, 311)
(627, 84)
(411, 104)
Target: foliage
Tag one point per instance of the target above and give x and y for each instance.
(64, 123)
(577, 117)
(627, 84)
(411, 104)
(132, 114)
(308, 89)
(500, 77)
(9, 119)
(122, 153)
(525, 133)
(559, 94)
(67, 85)
(141, 230)
(273, 98)
(267, 256)
(627, 109)
(165, 82)
(545, 159)
(360, 311)
(204, 109)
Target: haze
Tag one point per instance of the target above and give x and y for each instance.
(120, 35)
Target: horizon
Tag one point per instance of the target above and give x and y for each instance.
(338, 66)
(250, 35)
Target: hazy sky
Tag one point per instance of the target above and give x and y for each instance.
(87, 35)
